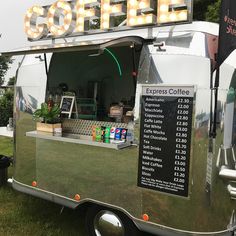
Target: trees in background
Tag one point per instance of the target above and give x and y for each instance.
(6, 101)
(206, 10)
(4, 66)
(6, 106)
(11, 81)
(213, 10)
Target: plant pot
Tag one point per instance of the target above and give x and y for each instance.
(47, 127)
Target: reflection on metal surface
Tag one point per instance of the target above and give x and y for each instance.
(106, 223)
(227, 173)
(226, 161)
(110, 176)
(232, 222)
(232, 191)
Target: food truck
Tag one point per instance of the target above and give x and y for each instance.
(134, 142)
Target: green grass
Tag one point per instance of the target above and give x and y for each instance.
(21, 214)
(6, 146)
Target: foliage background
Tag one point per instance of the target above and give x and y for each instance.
(4, 66)
(206, 10)
(6, 107)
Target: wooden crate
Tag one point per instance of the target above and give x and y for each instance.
(47, 127)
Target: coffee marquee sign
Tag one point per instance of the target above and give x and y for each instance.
(64, 18)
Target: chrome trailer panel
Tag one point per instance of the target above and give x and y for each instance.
(150, 228)
(110, 176)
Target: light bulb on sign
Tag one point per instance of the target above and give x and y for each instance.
(35, 9)
(164, 8)
(67, 27)
(115, 9)
(148, 19)
(67, 8)
(53, 29)
(140, 20)
(163, 18)
(175, 1)
(105, 16)
(58, 4)
(81, 11)
(183, 15)
(142, 5)
(59, 32)
(105, 25)
(29, 32)
(89, 1)
(68, 16)
(106, 6)
(80, 19)
(80, 28)
(50, 20)
(27, 24)
(132, 12)
(132, 21)
(173, 17)
(89, 13)
(52, 10)
(132, 3)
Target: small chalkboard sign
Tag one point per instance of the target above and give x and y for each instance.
(67, 104)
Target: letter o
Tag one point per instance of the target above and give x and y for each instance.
(56, 10)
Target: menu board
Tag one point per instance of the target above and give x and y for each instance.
(67, 103)
(165, 138)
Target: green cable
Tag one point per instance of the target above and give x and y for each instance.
(117, 62)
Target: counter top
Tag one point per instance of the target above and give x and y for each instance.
(76, 138)
(6, 133)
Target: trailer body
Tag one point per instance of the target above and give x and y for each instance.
(173, 172)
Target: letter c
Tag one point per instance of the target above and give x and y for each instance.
(32, 29)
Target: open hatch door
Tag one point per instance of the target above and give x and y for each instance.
(76, 46)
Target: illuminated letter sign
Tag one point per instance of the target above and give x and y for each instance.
(78, 16)
(109, 9)
(58, 9)
(172, 11)
(85, 10)
(134, 7)
(33, 30)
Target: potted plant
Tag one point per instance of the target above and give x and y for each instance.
(48, 117)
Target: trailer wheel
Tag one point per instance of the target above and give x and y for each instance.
(101, 221)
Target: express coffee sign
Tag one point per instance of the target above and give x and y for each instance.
(64, 18)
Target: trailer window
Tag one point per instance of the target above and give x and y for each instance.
(101, 83)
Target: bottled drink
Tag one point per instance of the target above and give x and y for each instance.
(130, 132)
(50, 102)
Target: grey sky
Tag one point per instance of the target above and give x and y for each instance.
(12, 27)
(12, 22)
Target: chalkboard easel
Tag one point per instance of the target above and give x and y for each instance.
(67, 105)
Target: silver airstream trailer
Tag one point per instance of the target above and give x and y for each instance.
(137, 107)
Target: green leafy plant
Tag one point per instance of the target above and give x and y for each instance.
(50, 115)
(6, 107)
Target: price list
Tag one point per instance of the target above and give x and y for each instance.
(165, 138)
